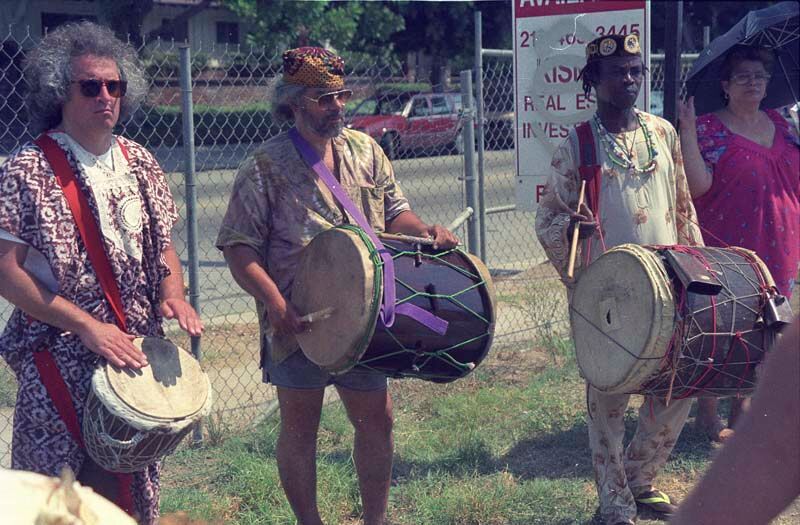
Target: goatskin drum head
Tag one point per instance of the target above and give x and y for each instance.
(171, 386)
(622, 315)
(27, 498)
(336, 271)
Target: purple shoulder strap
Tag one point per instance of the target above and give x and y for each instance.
(389, 306)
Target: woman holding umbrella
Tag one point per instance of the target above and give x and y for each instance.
(743, 168)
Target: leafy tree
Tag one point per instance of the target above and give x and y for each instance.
(357, 28)
(125, 17)
(719, 16)
(446, 32)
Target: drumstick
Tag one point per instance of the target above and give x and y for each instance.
(313, 317)
(573, 250)
(427, 241)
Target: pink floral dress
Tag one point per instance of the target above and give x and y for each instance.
(754, 199)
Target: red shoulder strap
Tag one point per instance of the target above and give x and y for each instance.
(86, 223)
(123, 149)
(45, 362)
(589, 168)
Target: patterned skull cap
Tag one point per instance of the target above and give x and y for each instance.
(313, 67)
(613, 46)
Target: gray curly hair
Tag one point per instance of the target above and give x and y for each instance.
(283, 96)
(48, 71)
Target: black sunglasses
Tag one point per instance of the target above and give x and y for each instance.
(91, 87)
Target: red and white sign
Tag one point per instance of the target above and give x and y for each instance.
(549, 52)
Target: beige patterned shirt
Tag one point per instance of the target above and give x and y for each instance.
(650, 208)
(278, 205)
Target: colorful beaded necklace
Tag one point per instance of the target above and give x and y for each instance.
(617, 153)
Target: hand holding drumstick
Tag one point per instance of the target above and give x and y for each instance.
(306, 321)
(583, 225)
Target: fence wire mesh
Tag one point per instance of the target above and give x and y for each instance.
(418, 129)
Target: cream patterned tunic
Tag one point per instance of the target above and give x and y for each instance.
(650, 208)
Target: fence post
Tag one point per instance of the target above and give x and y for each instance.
(481, 211)
(468, 134)
(672, 62)
(191, 197)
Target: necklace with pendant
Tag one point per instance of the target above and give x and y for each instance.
(624, 159)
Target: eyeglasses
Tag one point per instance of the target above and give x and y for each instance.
(328, 98)
(91, 87)
(742, 79)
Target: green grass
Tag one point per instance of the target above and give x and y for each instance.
(477, 451)
(8, 386)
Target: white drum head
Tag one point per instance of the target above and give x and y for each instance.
(622, 316)
(336, 271)
(172, 386)
(26, 497)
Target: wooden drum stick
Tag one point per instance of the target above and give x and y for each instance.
(573, 249)
(311, 318)
(425, 241)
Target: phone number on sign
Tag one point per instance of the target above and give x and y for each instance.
(527, 37)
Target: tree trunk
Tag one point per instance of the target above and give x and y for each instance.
(437, 77)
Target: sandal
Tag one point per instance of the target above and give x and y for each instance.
(657, 501)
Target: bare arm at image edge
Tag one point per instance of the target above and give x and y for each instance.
(757, 473)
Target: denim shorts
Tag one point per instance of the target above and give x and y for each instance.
(298, 372)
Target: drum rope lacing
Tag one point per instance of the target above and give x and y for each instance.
(681, 327)
(427, 356)
(688, 318)
(686, 321)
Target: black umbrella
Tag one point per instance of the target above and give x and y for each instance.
(775, 27)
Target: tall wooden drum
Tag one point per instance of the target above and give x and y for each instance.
(638, 329)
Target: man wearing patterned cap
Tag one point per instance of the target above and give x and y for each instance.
(639, 195)
(278, 205)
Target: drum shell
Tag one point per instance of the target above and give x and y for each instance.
(467, 337)
(114, 454)
(340, 269)
(677, 359)
(25, 496)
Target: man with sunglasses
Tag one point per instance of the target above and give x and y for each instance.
(278, 205)
(637, 193)
(81, 81)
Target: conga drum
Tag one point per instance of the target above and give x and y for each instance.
(638, 329)
(27, 498)
(135, 417)
(341, 269)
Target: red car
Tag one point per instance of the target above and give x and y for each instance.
(402, 123)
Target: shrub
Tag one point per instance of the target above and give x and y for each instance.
(163, 125)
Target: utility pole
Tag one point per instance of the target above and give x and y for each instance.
(672, 60)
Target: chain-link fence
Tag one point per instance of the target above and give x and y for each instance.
(419, 130)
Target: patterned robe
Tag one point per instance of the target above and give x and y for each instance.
(136, 220)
